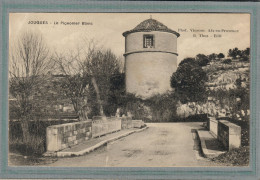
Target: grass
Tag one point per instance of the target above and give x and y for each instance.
(34, 147)
(20, 160)
(235, 157)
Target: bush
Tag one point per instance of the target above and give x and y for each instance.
(34, 147)
(235, 157)
(202, 60)
(37, 130)
(189, 82)
(221, 55)
(227, 61)
(193, 118)
(163, 107)
(244, 59)
(158, 108)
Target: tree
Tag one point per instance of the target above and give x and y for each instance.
(74, 82)
(117, 93)
(245, 54)
(101, 65)
(227, 61)
(234, 53)
(88, 73)
(189, 81)
(29, 64)
(202, 59)
(221, 55)
(212, 57)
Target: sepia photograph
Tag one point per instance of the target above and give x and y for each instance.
(129, 89)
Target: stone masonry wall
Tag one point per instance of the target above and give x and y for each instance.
(229, 134)
(126, 122)
(65, 135)
(213, 125)
(103, 125)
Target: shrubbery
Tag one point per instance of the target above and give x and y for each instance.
(227, 61)
(189, 81)
(244, 59)
(193, 118)
(162, 107)
(158, 108)
(37, 131)
(235, 157)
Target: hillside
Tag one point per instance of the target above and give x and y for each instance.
(224, 76)
(225, 98)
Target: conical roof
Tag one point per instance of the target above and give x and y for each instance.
(151, 25)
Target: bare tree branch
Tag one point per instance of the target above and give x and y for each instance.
(29, 62)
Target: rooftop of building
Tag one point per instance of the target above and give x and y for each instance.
(151, 25)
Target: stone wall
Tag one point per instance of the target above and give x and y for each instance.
(213, 126)
(229, 134)
(126, 122)
(62, 136)
(65, 135)
(103, 125)
(137, 123)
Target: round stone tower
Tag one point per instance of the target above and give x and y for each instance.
(150, 58)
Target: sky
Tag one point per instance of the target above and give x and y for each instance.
(107, 28)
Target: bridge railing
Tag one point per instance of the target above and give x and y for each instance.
(103, 125)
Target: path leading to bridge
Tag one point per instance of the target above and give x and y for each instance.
(161, 145)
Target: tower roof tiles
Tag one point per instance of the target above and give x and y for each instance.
(151, 25)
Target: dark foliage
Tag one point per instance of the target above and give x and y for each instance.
(212, 57)
(193, 118)
(112, 93)
(234, 53)
(135, 106)
(37, 131)
(116, 96)
(189, 81)
(236, 99)
(202, 60)
(221, 55)
(101, 65)
(242, 54)
(162, 107)
(158, 108)
(235, 157)
(73, 87)
(246, 52)
(244, 59)
(227, 61)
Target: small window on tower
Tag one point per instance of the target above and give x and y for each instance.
(148, 41)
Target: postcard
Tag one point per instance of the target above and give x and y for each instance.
(129, 89)
(142, 94)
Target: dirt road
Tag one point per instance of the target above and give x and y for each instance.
(162, 145)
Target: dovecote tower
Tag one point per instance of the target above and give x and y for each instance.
(150, 58)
